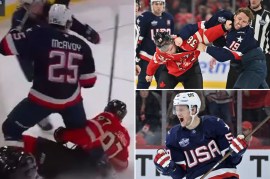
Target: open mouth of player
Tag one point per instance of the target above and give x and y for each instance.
(181, 119)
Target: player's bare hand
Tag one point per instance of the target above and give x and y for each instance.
(178, 41)
(148, 78)
(138, 70)
(201, 47)
(212, 63)
(228, 25)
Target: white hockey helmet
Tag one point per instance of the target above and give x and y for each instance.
(60, 15)
(187, 98)
(151, 2)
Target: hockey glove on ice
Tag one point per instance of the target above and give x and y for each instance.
(163, 162)
(238, 145)
(58, 135)
(91, 35)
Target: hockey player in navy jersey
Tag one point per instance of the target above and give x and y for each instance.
(195, 145)
(34, 12)
(148, 24)
(239, 45)
(63, 64)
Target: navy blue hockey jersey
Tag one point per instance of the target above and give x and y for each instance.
(199, 149)
(148, 25)
(63, 64)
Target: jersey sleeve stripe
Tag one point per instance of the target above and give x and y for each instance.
(88, 79)
(9, 46)
(54, 103)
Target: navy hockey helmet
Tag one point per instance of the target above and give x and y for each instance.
(16, 164)
(163, 40)
(117, 107)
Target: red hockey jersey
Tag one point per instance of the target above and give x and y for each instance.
(178, 63)
(104, 130)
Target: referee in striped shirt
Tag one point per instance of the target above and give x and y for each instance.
(261, 25)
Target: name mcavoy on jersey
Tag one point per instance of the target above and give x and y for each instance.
(65, 45)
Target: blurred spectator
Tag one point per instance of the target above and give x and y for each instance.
(220, 103)
(252, 141)
(253, 105)
(148, 121)
(267, 103)
(183, 17)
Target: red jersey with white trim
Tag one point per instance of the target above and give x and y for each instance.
(186, 55)
(63, 64)
(106, 131)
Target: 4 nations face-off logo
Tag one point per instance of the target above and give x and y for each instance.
(2, 7)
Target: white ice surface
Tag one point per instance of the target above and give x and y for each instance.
(100, 14)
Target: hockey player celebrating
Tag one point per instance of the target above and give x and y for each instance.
(196, 145)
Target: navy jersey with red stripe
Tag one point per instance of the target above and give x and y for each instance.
(233, 45)
(62, 64)
(148, 25)
(104, 130)
(198, 150)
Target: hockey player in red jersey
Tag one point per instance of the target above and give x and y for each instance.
(103, 130)
(102, 138)
(181, 58)
(196, 145)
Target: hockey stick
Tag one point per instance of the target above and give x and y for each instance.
(24, 19)
(113, 55)
(230, 152)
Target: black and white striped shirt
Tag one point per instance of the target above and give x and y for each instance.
(261, 25)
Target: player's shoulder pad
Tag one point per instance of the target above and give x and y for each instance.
(213, 121)
(168, 15)
(172, 134)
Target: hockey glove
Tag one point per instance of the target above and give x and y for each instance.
(163, 162)
(58, 135)
(238, 145)
(91, 35)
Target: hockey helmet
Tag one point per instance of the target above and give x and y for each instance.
(151, 2)
(163, 40)
(16, 164)
(117, 107)
(60, 15)
(188, 98)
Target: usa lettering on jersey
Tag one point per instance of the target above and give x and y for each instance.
(202, 154)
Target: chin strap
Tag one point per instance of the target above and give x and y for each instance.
(192, 120)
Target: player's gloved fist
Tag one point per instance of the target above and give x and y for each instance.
(58, 135)
(239, 145)
(163, 162)
(91, 35)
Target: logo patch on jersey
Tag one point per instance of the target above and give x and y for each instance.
(262, 22)
(184, 142)
(154, 23)
(168, 22)
(221, 20)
